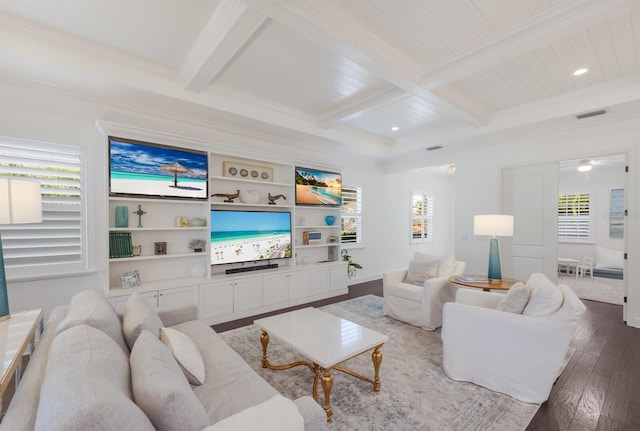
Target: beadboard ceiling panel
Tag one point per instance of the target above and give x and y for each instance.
(342, 72)
(298, 74)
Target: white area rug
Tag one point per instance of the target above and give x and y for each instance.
(415, 394)
(599, 289)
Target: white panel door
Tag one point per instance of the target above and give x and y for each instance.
(531, 194)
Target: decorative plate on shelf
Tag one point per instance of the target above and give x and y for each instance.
(241, 170)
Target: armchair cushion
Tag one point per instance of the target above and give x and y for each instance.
(515, 299)
(545, 299)
(420, 271)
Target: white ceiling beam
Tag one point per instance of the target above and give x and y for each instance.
(230, 29)
(565, 18)
(361, 106)
(335, 28)
(564, 107)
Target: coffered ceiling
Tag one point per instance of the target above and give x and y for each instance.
(337, 72)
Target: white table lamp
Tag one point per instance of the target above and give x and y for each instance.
(20, 202)
(493, 225)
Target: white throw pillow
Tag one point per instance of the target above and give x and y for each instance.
(424, 257)
(608, 258)
(160, 388)
(420, 271)
(515, 299)
(186, 353)
(139, 315)
(546, 297)
(447, 266)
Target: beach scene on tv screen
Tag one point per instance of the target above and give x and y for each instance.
(318, 188)
(139, 169)
(238, 236)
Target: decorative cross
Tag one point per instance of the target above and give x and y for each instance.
(139, 213)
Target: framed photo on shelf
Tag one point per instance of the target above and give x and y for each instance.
(129, 279)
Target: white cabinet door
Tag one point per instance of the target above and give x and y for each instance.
(275, 289)
(338, 278)
(178, 297)
(247, 293)
(299, 285)
(318, 281)
(216, 299)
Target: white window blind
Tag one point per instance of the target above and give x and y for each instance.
(421, 218)
(351, 231)
(574, 217)
(56, 244)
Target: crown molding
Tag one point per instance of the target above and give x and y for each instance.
(58, 39)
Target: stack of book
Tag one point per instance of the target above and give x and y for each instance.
(120, 245)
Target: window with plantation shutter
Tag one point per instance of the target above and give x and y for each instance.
(574, 217)
(351, 231)
(56, 245)
(421, 218)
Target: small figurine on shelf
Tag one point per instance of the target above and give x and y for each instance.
(229, 196)
(352, 267)
(139, 213)
(197, 245)
(272, 198)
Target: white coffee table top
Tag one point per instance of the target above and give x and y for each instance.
(323, 338)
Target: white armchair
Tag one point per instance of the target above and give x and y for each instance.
(418, 305)
(516, 354)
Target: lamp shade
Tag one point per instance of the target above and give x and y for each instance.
(493, 225)
(20, 201)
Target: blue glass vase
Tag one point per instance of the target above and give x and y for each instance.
(330, 220)
(122, 216)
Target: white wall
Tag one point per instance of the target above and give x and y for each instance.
(477, 184)
(598, 184)
(34, 114)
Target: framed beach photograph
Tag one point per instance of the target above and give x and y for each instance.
(315, 187)
(616, 213)
(144, 169)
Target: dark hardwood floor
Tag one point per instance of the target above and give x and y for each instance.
(598, 390)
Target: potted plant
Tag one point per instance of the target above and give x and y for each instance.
(197, 245)
(352, 267)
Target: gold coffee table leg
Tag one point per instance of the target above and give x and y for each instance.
(376, 357)
(264, 340)
(327, 383)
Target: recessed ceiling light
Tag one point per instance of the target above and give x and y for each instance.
(395, 128)
(580, 72)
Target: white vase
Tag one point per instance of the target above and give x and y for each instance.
(249, 196)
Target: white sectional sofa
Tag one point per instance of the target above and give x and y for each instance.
(93, 370)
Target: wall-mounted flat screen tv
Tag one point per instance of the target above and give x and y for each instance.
(318, 188)
(143, 169)
(249, 236)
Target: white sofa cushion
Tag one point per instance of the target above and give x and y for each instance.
(515, 299)
(91, 308)
(160, 388)
(186, 353)
(276, 414)
(139, 315)
(420, 271)
(87, 385)
(546, 297)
